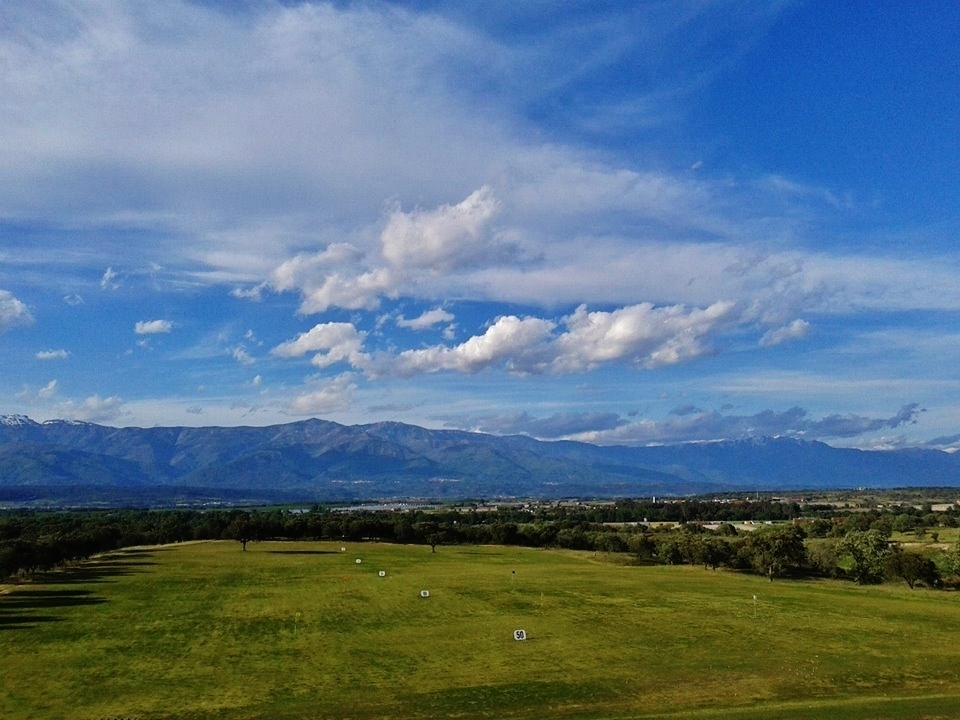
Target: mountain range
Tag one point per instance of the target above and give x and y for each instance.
(315, 460)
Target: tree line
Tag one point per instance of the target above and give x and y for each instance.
(853, 544)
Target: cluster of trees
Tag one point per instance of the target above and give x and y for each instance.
(854, 545)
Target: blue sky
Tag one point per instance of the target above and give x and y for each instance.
(607, 221)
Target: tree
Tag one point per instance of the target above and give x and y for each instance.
(868, 550)
(822, 559)
(911, 567)
(904, 522)
(709, 551)
(240, 529)
(775, 550)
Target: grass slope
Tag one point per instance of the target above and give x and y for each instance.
(290, 630)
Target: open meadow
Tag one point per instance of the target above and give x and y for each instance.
(301, 630)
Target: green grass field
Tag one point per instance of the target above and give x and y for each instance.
(300, 630)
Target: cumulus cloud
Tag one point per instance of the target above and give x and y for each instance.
(642, 335)
(336, 341)
(94, 409)
(13, 312)
(325, 397)
(518, 343)
(302, 270)
(645, 335)
(153, 327)
(361, 292)
(440, 240)
(52, 355)
(427, 319)
(332, 277)
(444, 238)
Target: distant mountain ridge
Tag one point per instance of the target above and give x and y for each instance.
(320, 460)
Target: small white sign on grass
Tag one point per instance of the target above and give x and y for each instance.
(382, 573)
(520, 635)
(359, 561)
(424, 593)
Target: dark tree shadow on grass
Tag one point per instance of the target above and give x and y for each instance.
(18, 608)
(303, 552)
(33, 602)
(96, 570)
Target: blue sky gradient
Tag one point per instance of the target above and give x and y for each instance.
(615, 222)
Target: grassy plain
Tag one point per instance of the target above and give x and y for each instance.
(300, 630)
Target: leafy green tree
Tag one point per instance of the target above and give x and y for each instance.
(713, 552)
(904, 523)
(669, 548)
(867, 549)
(775, 550)
(607, 541)
(240, 529)
(912, 567)
(642, 545)
(822, 559)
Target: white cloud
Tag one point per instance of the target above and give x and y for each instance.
(239, 125)
(694, 424)
(445, 238)
(264, 135)
(93, 409)
(52, 355)
(13, 312)
(353, 293)
(327, 397)
(109, 280)
(241, 355)
(301, 270)
(336, 341)
(427, 319)
(48, 390)
(644, 335)
(517, 343)
(153, 327)
(794, 331)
